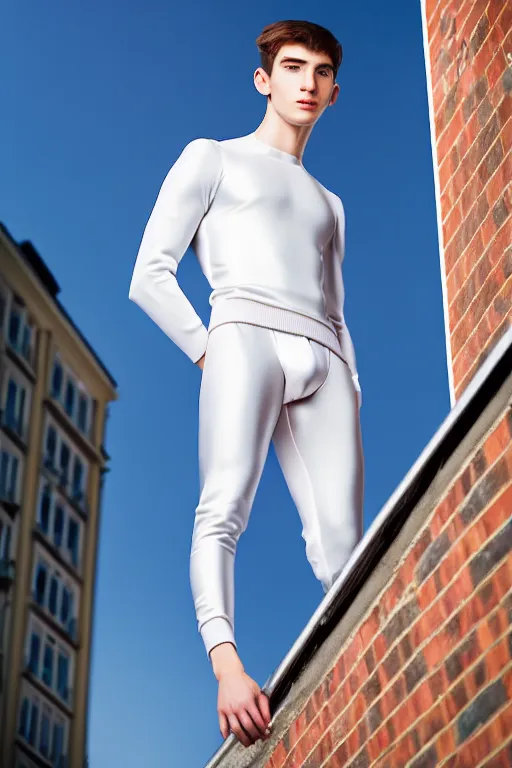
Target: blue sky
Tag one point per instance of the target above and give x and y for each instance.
(99, 100)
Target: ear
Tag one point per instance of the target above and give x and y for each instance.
(334, 94)
(262, 81)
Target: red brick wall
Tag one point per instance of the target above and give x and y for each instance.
(471, 79)
(426, 676)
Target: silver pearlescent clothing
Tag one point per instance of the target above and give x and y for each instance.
(268, 236)
(258, 385)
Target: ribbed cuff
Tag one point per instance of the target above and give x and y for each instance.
(215, 631)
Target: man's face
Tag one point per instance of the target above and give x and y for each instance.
(300, 74)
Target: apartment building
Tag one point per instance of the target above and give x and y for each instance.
(54, 399)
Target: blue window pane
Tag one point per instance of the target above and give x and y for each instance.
(58, 740)
(4, 474)
(57, 380)
(44, 739)
(82, 413)
(58, 526)
(51, 445)
(62, 676)
(10, 404)
(78, 471)
(14, 478)
(32, 730)
(44, 509)
(73, 541)
(40, 585)
(64, 464)
(52, 601)
(69, 402)
(23, 726)
(35, 647)
(25, 342)
(14, 327)
(64, 606)
(47, 675)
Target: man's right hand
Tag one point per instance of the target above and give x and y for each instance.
(200, 362)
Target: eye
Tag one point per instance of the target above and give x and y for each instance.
(291, 66)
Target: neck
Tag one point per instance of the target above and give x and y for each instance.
(278, 133)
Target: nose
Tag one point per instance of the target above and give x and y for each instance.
(309, 83)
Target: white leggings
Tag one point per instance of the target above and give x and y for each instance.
(260, 385)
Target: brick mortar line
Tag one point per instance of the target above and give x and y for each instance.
(471, 372)
(498, 749)
(412, 589)
(450, 723)
(489, 275)
(479, 730)
(476, 365)
(490, 432)
(482, 128)
(489, 180)
(454, 62)
(457, 680)
(475, 171)
(409, 661)
(470, 8)
(446, 246)
(478, 261)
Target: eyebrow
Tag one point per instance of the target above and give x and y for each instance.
(303, 61)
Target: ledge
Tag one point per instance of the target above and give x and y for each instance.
(381, 534)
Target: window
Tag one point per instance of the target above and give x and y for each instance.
(43, 727)
(44, 738)
(34, 720)
(58, 525)
(44, 509)
(57, 378)
(72, 543)
(24, 715)
(69, 402)
(78, 472)
(52, 600)
(82, 413)
(5, 540)
(64, 606)
(51, 446)
(20, 331)
(57, 743)
(15, 407)
(63, 675)
(47, 676)
(35, 647)
(8, 476)
(65, 456)
(40, 586)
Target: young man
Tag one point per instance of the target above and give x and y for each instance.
(277, 358)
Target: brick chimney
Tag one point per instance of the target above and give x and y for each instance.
(468, 52)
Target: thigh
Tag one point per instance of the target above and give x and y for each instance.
(239, 403)
(318, 444)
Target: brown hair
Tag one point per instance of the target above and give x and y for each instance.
(313, 36)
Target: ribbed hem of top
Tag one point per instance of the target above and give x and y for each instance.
(215, 631)
(241, 310)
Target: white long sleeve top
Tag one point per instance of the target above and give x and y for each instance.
(270, 240)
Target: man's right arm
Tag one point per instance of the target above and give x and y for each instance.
(183, 200)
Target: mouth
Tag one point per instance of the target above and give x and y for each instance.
(307, 103)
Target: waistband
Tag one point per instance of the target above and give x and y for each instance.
(242, 310)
